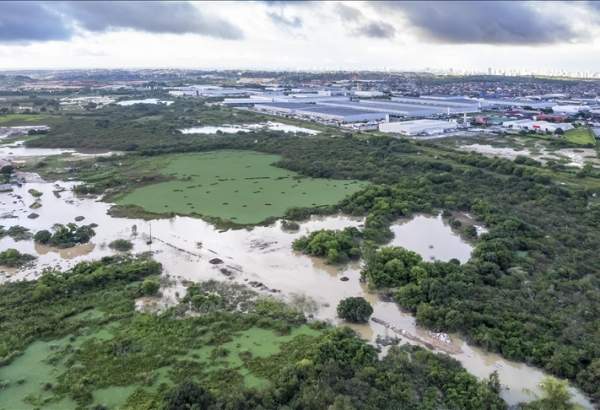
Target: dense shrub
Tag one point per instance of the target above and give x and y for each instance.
(12, 258)
(121, 245)
(355, 309)
(336, 246)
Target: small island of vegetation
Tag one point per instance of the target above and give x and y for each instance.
(335, 246)
(121, 245)
(355, 310)
(65, 236)
(12, 258)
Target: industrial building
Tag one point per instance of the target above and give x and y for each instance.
(210, 91)
(541, 126)
(322, 112)
(570, 108)
(418, 127)
(368, 94)
(518, 103)
(282, 98)
(457, 105)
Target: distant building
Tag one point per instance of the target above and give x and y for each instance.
(368, 94)
(550, 117)
(570, 109)
(321, 112)
(542, 126)
(418, 127)
(490, 103)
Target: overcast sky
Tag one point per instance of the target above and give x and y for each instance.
(301, 35)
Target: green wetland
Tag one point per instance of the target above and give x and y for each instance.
(238, 186)
(526, 289)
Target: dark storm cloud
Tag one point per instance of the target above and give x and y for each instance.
(287, 22)
(43, 21)
(376, 29)
(465, 22)
(152, 17)
(30, 21)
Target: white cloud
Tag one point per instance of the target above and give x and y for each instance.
(316, 37)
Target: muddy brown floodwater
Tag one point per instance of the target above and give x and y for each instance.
(261, 258)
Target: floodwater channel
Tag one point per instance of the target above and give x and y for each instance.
(262, 258)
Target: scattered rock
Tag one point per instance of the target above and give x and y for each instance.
(344, 278)
(36, 205)
(33, 215)
(215, 261)
(79, 218)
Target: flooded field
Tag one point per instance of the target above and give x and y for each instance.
(574, 157)
(239, 186)
(6, 132)
(262, 258)
(233, 129)
(431, 238)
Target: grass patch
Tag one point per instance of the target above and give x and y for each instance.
(580, 136)
(238, 186)
(21, 119)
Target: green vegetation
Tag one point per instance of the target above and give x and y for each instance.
(65, 236)
(393, 267)
(336, 246)
(12, 258)
(555, 396)
(121, 245)
(74, 340)
(6, 173)
(530, 290)
(355, 310)
(35, 193)
(149, 287)
(16, 232)
(580, 136)
(21, 119)
(242, 187)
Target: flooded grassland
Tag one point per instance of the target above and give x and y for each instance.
(193, 250)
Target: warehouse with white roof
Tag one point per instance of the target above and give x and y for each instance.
(544, 126)
(322, 112)
(418, 127)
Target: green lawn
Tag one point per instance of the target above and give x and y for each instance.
(582, 136)
(21, 119)
(239, 186)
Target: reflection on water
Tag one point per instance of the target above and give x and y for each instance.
(262, 258)
(65, 253)
(19, 150)
(431, 238)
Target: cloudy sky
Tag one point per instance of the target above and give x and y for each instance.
(301, 35)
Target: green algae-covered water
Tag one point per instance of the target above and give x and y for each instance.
(240, 186)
